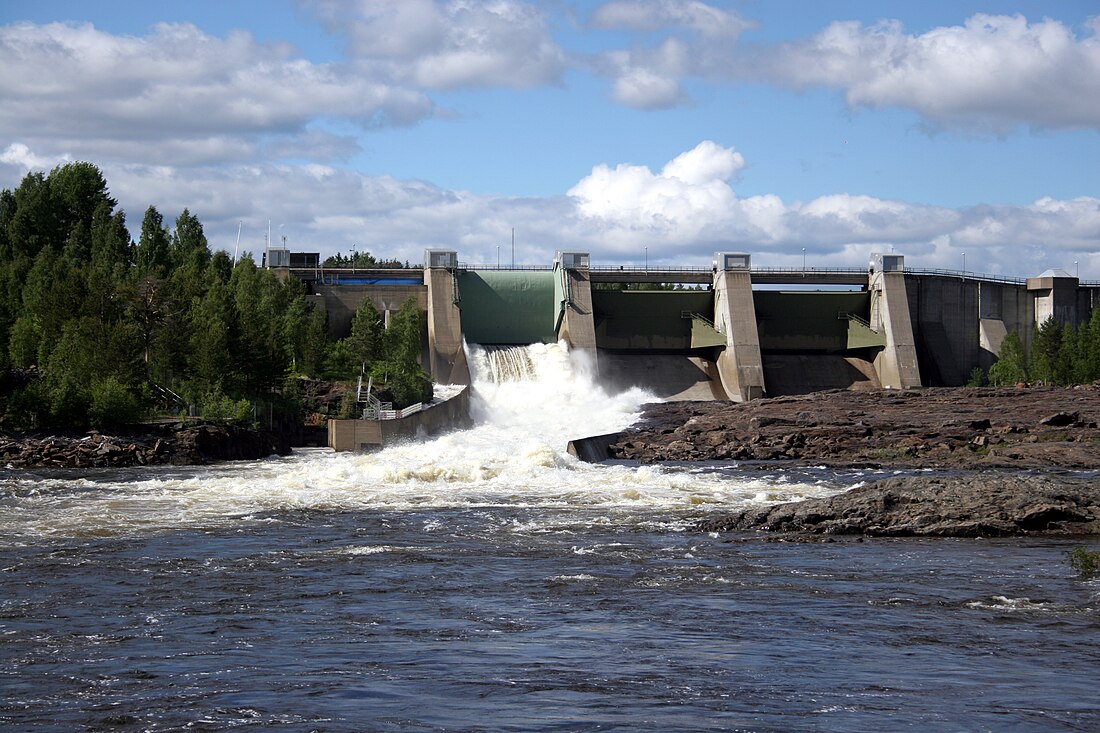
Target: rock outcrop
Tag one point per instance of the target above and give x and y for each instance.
(154, 444)
(981, 505)
(941, 427)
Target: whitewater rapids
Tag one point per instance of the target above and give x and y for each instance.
(528, 402)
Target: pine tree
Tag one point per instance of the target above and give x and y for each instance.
(1011, 366)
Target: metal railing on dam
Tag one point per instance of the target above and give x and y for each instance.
(641, 273)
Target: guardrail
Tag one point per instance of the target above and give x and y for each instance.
(634, 267)
(403, 412)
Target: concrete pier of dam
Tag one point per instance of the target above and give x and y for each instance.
(730, 331)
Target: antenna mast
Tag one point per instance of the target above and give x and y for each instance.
(238, 245)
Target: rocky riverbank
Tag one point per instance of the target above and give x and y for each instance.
(176, 444)
(926, 428)
(980, 505)
(1007, 453)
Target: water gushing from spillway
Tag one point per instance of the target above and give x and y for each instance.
(528, 402)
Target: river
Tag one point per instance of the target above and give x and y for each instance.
(487, 581)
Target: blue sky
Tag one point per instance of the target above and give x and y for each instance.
(681, 126)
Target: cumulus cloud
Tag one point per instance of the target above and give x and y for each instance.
(994, 71)
(682, 213)
(698, 39)
(689, 209)
(654, 15)
(445, 45)
(991, 73)
(178, 91)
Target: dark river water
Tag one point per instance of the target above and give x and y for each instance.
(486, 581)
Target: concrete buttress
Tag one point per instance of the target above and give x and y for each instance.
(448, 358)
(896, 364)
(739, 364)
(577, 326)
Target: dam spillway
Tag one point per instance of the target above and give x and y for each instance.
(728, 333)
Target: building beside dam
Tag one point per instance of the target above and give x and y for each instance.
(729, 331)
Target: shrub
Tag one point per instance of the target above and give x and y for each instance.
(112, 403)
(1085, 561)
(977, 377)
(217, 406)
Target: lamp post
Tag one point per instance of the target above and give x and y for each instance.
(498, 256)
(964, 263)
(647, 258)
(803, 259)
(1076, 270)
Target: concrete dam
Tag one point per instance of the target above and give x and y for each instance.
(730, 332)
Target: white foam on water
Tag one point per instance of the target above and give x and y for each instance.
(527, 404)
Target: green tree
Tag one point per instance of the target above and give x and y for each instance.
(405, 380)
(189, 247)
(260, 301)
(305, 338)
(213, 368)
(79, 190)
(367, 334)
(152, 254)
(1088, 349)
(1049, 362)
(34, 223)
(1011, 366)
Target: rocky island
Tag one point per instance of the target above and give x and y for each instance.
(1010, 461)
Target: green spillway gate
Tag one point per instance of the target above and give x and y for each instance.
(508, 307)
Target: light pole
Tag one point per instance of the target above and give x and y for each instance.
(964, 263)
(803, 259)
(1076, 270)
(647, 259)
(498, 256)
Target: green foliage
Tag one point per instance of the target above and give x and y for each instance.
(977, 377)
(1084, 561)
(217, 406)
(401, 384)
(340, 362)
(28, 407)
(152, 254)
(1050, 361)
(349, 409)
(361, 261)
(116, 326)
(367, 340)
(112, 403)
(1011, 365)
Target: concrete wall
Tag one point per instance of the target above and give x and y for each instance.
(806, 321)
(959, 324)
(739, 364)
(896, 364)
(446, 354)
(357, 435)
(945, 317)
(647, 320)
(341, 302)
(573, 292)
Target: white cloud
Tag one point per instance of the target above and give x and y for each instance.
(23, 158)
(178, 95)
(992, 72)
(656, 15)
(689, 209)
(682, 213)
(698, 39)
(446, 45)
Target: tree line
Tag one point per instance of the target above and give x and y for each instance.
(98, 329)
(1059, 354)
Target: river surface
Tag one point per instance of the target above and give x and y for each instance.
(486, 581)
